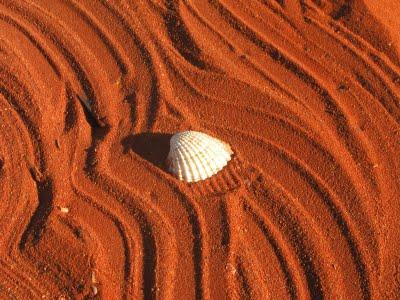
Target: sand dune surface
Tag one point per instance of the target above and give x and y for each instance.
(306, 92)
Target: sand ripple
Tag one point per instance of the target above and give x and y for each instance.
(306, 92)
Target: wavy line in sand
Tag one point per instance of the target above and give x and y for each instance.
(309, 102)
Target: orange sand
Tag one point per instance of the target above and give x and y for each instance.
(307, 93)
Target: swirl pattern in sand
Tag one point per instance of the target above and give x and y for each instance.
(306, 92)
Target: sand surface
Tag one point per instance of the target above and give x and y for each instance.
(307, 93)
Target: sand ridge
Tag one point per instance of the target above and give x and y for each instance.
(307, 93)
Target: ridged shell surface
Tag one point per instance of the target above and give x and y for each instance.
(195, 156)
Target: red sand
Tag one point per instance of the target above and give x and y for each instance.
(306, 92)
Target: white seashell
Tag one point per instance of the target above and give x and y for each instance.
(195, 156)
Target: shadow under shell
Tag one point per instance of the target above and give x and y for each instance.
(153, 147)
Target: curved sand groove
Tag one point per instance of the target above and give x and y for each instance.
(306, 92)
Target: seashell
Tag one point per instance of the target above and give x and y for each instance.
(195, 156)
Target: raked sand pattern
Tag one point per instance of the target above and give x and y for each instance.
(307, 93)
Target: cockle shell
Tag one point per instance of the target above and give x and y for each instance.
(195, 156)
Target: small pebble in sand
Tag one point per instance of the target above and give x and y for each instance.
(94, 290)
(94, 279)
(64, 210)
(231, 268)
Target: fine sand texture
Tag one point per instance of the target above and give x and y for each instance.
(306, 92)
